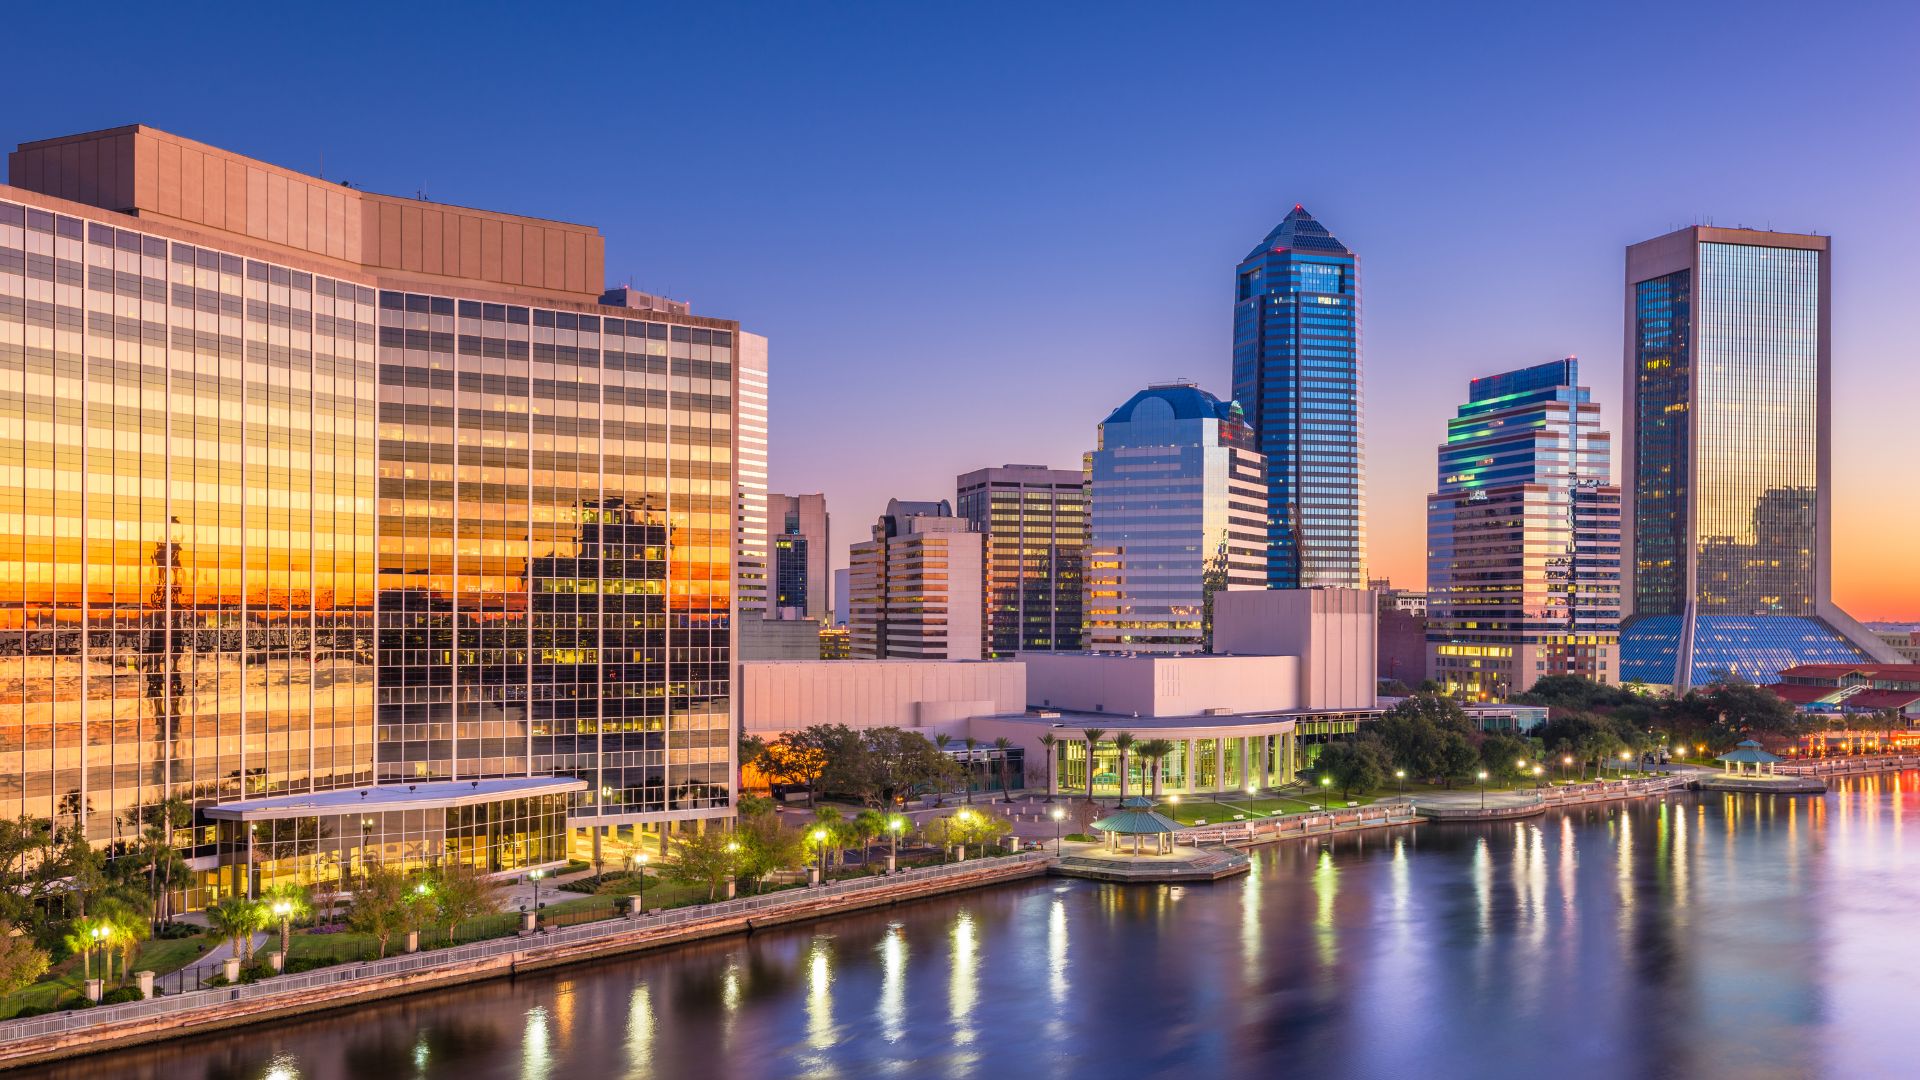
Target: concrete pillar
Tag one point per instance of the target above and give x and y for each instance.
(231, 969)
(528, 919)
(413, 941)
(665, 828)
(277, 960)
(1261, 776)
(1193, 768)
(145, 979)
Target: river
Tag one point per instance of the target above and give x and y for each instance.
(1696, 936)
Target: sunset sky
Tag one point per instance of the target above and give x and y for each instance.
(971, 231)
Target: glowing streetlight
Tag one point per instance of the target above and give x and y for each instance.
(641, 858)
(820, 852)
(283, 910)
(895, 825)
(1401, 775)
(535, 876)
(1483, 789)
(1058, 816)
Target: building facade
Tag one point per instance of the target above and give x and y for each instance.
(1178, 514)
(1728, 496)
(1523, 538)
(1296, 370)
(307, 489)
(916, 586)
(802, 543)
(754, 563)
(1034, 521)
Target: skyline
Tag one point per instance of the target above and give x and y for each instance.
(1077, 228)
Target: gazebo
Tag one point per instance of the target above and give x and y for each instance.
(1749, 753)
(1136, 818)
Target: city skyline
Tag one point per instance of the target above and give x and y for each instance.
(1558, 178)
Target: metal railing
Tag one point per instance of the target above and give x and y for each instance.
(1285, 825)
(610, 927)
(1845, 766)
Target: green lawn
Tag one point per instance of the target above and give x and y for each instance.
(65, 980)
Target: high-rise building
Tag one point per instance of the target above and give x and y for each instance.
(1178, 512)
(916, 586)
(753, 558)
(1523, 538)
(1727, 501)
(1296, 370)
(358, 523)
(1034, 520)
(802, 538)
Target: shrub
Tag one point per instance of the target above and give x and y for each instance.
(217, 980)
(309, 963)
(1079, 838)
(31, 1010)
(121, 995)
(173, 931)
(78, 1002)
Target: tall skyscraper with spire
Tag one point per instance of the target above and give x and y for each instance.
(1296, 370)
(1728, 492)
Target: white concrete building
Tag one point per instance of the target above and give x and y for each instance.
(916, 586)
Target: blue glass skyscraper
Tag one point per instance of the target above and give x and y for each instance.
(1296, 370)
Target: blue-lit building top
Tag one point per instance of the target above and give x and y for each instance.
(1727, 430)
(1296, 369)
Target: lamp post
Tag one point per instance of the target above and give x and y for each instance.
(894, 826)
(99, 936)
(1401, 775)
(1483, 789)
(642, 860)
(1539, 776)
(1059, 814)
(1566, 762)
(284, 912)
(1625, 756)
(819, 856)
(535, 876)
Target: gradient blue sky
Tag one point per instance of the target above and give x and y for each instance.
(972, 230)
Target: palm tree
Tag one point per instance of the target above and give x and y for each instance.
(1003, 744)
(1155, 751)
(1047, 742)
(232, 919)
(871, 825)
(1123, 742)
(940, 743)
(82, 939)
(1092, 735)
(971, 743)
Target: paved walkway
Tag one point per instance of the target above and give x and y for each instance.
(209, 963)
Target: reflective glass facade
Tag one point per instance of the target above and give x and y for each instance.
(1523, 538)
(1727, 368)
(186, 524)
(555, 508)
(1034, 521)
(1296, 369)
(1178, 513)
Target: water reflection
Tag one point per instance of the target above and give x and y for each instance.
(1723, 936)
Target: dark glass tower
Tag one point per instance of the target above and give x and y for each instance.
(1296, 369)
(1727, 495)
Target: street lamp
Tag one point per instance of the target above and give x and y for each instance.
(820, 854)
(1567, 761)
(1483, 789)
(284, 911)
(1538, 773)
(1401, 775)
(1058, 815)
(535, 877)
(642, 860)
(895, 824)
(1625, 756)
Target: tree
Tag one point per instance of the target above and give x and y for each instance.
(281, 905)
(791, 761)
(21, 961)
(85, 935)
(1005, 746)
(1457, 758)
(1155, 751)
(461, 893)
(748, 753)
(1354, 765)
(703, 858)
(125, 928)
(766, 844)
(963, 828)
(896, 761)
(1048, 741)
(380, 905)
(971, 743)
(1503, 756)
(869, 825)
(160, 858)
(232, 919)
(1092, 735)
(1123, 742)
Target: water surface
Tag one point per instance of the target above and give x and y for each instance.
(1699, 936)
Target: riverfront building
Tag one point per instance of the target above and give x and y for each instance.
(1523, 538)
(1178, 515)
(309, 494)
(1034, 521)
(1727, 503)
(1296, 369)
(801, 543)
(916, 586)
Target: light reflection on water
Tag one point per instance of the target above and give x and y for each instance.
(1713, 936)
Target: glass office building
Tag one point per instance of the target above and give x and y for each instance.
(1523, 538)
(1727, 499)
(1296, 370)
(1034, 520)
(1178, 512)
(308, 490)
